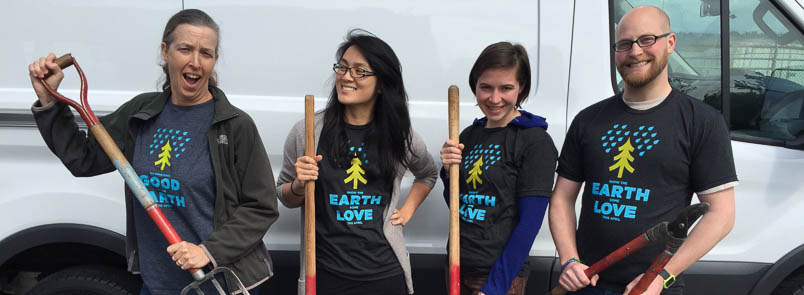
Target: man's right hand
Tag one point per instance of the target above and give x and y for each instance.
(573, 277)
(41, 68)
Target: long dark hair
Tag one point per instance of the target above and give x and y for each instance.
(391, 132)
(504, 55)
(189, 17)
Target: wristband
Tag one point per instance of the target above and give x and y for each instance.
(292, 191)
(669, 279)
(568, 262)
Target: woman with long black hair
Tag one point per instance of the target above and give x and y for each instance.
(365, 148)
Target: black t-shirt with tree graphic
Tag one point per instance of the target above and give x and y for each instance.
(640, 168)
(351, 203)
(498, 166)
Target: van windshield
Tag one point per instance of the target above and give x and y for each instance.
(766, 62)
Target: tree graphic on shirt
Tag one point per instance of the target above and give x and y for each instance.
(164, 157)
(355, 172)
(623, 159)
(474, 174)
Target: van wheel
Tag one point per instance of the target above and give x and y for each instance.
(89, 280)
(792, 285)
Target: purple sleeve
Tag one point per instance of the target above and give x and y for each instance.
(510, 261)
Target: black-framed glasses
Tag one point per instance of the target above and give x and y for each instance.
(355, 72)
(643, 41)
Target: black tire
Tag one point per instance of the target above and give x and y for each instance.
(792, 285)
(89, 280)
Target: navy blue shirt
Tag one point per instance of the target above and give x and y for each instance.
(172, 158)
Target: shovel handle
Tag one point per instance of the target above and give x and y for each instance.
(454, 190)
(116, 156)
(309, 199)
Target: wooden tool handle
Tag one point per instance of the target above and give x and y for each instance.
(64, 61)
(454, 190)
(309, 198)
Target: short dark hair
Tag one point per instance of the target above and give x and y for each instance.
(189, 17)
(504, 55)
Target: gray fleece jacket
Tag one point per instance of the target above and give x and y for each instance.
(420, 164)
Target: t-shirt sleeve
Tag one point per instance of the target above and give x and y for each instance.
(536, 167)
(712, 160)
(570, 163)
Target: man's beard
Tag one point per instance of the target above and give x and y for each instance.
(637, 80)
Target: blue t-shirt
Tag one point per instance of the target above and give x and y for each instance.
(172, 158)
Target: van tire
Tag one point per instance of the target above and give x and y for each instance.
(89, 280)
(792, 285)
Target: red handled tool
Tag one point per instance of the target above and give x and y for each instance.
(132, 180)
(671, 233)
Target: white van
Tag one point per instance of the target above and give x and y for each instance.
(745, 58)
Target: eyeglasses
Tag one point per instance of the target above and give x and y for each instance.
(355, 72)
(643, 41)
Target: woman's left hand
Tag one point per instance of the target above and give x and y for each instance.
(400, 217)
(188, 255)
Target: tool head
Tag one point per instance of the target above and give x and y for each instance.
(678, 228)
(673, 233)
(210, 277)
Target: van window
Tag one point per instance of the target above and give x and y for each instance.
(694, 66)
(766, 64)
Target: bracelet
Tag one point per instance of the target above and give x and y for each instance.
(668, 278)
(568, 262)
(293, 192)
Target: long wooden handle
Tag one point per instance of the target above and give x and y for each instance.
(454, 190)
(309, 198)
(138, 188)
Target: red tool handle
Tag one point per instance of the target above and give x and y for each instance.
(617, 255)
(649, 275)
(83, 108)
(118, 159)
(613, 257)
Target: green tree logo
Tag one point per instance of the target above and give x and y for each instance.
(164, 157)
(623, 158)
(474, 174)
(355, 172)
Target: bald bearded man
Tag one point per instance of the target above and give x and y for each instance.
(640, 155)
